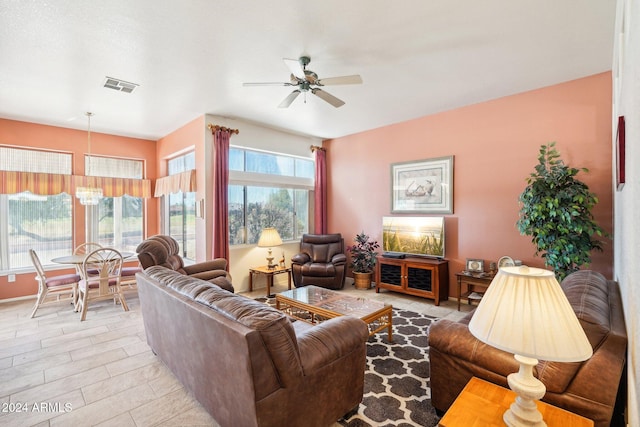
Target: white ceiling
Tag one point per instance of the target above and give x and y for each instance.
(190, 57)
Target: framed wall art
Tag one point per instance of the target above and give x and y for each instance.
(424, 186)
(620, 155)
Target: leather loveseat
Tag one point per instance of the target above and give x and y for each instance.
(249, 364)
(164, 250)
(586, 388)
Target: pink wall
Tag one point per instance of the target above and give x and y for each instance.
(495, 147)
(185, 139)
(24, 134)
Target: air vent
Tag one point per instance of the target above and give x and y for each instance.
(120, 85)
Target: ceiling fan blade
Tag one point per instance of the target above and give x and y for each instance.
(289, 99)
(295, 67)
(267, 84)
(343, 80)
(328, 97)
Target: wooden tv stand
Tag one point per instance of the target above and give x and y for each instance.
(423, 277)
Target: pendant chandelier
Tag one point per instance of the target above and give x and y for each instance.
(89, 195)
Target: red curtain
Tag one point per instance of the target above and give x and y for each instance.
(220, 190)
(321, 192)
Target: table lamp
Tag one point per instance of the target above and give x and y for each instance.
(268, 239)
(525, 312)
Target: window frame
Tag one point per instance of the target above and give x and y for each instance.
(273, 181)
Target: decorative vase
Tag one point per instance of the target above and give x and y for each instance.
(362, 280)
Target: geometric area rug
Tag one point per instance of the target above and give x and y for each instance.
(397, 377)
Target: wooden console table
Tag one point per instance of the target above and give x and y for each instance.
(269, 272)
(475, 285)
(482, 403)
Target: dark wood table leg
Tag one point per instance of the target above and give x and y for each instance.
(269, 285)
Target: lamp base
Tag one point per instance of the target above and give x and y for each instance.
(524, 412)
(270, 264)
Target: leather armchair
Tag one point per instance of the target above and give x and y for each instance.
(321, 261)
(163, 250)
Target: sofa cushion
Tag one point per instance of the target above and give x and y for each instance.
(588, 295)
(587, 292)
(274, 326)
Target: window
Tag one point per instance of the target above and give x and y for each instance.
(180, 223)
(30, 221)
(118, 222)
(268, 190)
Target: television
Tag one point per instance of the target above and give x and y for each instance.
(413, 236)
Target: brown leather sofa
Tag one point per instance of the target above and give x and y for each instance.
(586, 388)
(164, 250)
(321, 261)
(249, 364)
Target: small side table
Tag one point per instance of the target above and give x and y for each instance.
(482, 403)
(269, 272)
(476, 286)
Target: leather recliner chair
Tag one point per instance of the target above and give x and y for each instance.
(163, 250)
(321, 261)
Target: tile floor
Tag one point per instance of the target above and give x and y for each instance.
(58, 371)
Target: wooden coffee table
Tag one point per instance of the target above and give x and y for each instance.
(314, 304)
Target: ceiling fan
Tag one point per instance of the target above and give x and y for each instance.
(307, 81)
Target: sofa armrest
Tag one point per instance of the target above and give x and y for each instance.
(455, 340)
(339, 259)
(331, 340)
(301, 258)
(214, 264)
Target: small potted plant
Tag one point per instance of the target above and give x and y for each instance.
(363, 260)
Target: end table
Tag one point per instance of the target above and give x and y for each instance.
(476, 287)
(269, 272)
(482, 403)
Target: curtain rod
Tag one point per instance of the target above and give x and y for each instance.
(215, 128)
(316, 147)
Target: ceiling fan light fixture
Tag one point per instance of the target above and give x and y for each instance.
(308, 81)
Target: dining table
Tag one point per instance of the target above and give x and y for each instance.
(77, 259)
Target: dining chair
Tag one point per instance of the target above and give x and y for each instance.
(101, 270)
(128, 276)
(54, 285)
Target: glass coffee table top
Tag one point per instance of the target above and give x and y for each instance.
(326, 303)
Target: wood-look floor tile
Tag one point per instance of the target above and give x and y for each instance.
(35, 366)
(43, 411)
(51, 389)
(107, 408)
(95, 349)
(76, 366)
(130, 363)
(163, 408)
(122, 420)
(42, 353)
(193, 417)
(116, 384)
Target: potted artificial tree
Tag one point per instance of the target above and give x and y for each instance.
(555, 209)
(363, 260)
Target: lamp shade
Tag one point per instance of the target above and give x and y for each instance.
(269, 238)
(525, 312)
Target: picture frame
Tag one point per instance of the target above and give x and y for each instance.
(474, 265)
(423, 186)
(620, 154)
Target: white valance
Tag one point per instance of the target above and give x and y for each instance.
(184, 181)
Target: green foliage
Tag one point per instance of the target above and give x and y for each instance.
(555, 209)
(363, 254)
